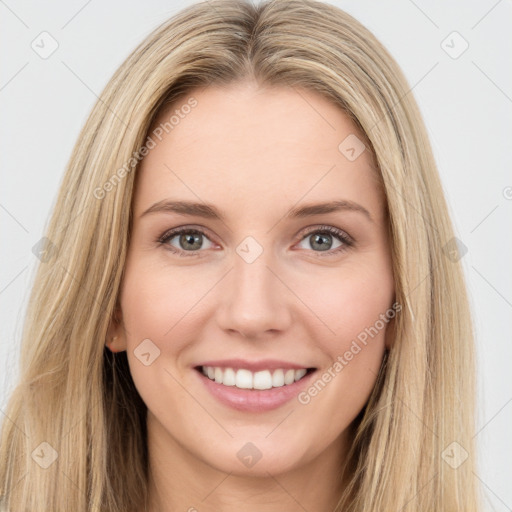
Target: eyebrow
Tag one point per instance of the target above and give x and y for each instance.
(209, 211)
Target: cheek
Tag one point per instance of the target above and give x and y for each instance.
(349, 300)
(156, 301)
(156, 305)
(352, 306)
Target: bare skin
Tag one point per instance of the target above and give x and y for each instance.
(254, 153)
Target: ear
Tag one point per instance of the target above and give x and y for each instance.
(116, 336)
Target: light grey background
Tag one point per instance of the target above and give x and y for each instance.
(466, 103)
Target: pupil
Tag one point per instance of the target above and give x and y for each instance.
(323, 246)
(185, 239)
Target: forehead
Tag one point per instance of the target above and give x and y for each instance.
(243, 145)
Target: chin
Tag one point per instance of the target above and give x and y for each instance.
(256, 457)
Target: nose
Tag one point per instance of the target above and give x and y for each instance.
(255, 302)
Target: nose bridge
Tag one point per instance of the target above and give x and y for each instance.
(253, 299)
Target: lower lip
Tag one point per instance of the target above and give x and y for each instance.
(254, 400)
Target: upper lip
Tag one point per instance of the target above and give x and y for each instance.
(254, 366)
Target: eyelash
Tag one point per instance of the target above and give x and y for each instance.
(341, 235)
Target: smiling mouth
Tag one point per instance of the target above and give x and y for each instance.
(245, 379)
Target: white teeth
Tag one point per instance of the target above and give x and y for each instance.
(300, 373)
(262, 380)
(229, 378)
(289, 377)
(278, 379)
(245, 379)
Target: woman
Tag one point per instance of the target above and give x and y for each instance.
(249, 295)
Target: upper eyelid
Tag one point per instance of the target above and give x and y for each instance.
(171, 233)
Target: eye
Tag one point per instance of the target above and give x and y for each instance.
(183, 240)
(186, 241)
(321, 240)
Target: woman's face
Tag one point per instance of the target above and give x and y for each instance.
(263, 278)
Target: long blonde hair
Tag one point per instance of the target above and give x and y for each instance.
(79, 400)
